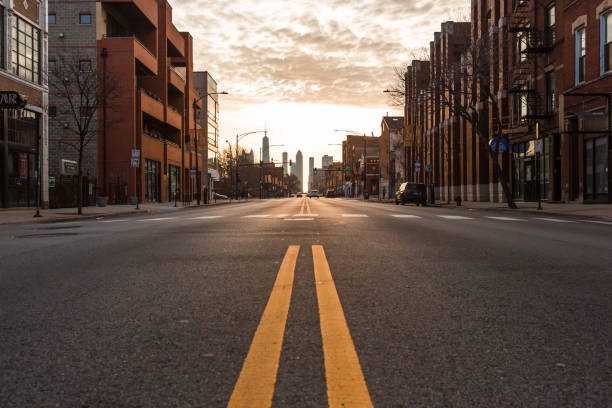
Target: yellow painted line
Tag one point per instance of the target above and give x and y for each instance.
(302, 207)
(308, 205)
(255, 385)
(346, 386)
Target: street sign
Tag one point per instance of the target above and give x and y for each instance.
(135, 162)
(503, 144)
(135, 153)
(538, 145)
(68, 167)
(417, 166)
(51, 182)
(192, 171)
(429, 167)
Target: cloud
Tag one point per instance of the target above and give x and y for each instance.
(321, 51)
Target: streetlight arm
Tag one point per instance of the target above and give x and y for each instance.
(196, 100)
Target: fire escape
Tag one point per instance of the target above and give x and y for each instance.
(528, 44)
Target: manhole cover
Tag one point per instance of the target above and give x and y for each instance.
(55, 234)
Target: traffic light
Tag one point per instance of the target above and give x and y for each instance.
(315, 171)
(338, 171)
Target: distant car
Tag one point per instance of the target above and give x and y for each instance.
(220, 196)
(313, 193)
(299, 195)
(331, 193)
(411, 193)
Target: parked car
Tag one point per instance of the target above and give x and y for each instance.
(313, 193)
(330, 193)
(220, 196)
(411, 193)
(299, 195)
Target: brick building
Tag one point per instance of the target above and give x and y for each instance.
(135, 48)
(23, 124)
(547, 92)
(352, 159)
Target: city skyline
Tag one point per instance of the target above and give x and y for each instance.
(317, 61)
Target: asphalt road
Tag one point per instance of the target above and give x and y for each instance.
(214, 306)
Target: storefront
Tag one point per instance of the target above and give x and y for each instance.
(596, 168)
(530, 166)
(18, 159)
(152, 180)
(174, 185)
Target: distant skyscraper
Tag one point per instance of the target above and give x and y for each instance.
(299, 168)
(327, 161)
(265, 146)
(310, 172)
(285, 163)
(250, 157)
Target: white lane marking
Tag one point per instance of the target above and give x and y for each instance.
(598, 222)
(257, 216)
(158, 219)
(282, 215)
(207, 217)
(355, 215)
(405, 216)
(505, 218)
(299, 219)
(552, 219)
(305, 215)
(455, 217)
(114, 221)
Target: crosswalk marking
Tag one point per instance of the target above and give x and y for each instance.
(299, 219)
(257, 216)
(455, 217)
(255, 385)
(305, 215)
(355, 215)
(123, 220)
(405, 216)
(505, 218)
(346, 386)
(207, 217)
(282, 215)
(157, 219)
(552, 219)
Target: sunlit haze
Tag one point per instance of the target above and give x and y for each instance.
(306, 68)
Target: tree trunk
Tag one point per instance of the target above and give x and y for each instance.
(80, 181)
(499, 172)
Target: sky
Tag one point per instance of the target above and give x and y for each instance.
(303, 68)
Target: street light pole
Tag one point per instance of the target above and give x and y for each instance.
(364, 155)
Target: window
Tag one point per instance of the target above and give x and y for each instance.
(51, 18)
(85, 65)
(550, 91)
(606, 41)
(580, 52)
(2, 37)
(84, 18)
(25, 53)
(52, 66)
(52, 111)
(550, 26)
(152, 180)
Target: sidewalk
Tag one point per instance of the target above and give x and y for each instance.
(25, 215)
(603, 211)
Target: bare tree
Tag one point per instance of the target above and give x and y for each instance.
(74, 85)
(396, 91)
(466, 90)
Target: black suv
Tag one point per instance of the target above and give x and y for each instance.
(411, 193)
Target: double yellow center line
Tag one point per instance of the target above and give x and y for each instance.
(306, 205)
(346, 386)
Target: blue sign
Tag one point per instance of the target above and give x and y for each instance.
(503, 144)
